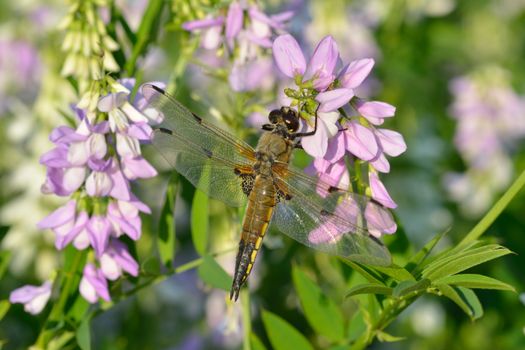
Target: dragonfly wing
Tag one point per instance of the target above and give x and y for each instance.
(328, 219)
(190, 127)
(210, 158)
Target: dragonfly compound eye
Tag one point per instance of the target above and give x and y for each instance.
(291, 119)
(274, 116)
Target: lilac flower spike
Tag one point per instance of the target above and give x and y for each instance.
(34, 298)
(330, 97)
(104, 206)
(288, 56)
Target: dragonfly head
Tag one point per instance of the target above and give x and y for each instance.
(286, 117)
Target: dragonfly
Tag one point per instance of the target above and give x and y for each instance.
(275, 193)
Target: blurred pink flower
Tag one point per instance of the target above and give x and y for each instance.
(34, 298)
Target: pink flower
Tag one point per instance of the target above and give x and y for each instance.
(322, 64)
(343, 222)
(375, 111)
(379, 220)
(99, 230)
(117, 258)
(93, 285)
(360, 141)
(379, 192)
(34, 298)
(316, 145)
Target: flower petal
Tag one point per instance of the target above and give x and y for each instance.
(353, 74)
(333, 99)
(336, 147)
(60, 216)
(360, 141)
(379, 192)
(380, 163)
(376, 109)
(233, 20)
(379, 220)
(203, 23)
(288, 56)
(323, 61)
(391, 141)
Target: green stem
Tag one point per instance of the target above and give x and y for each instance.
(494, 212)
(67, 278)
(246, 319)
(145, 33)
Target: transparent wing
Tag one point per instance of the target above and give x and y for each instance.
(210, 158)
(190, 127)
(329, 219)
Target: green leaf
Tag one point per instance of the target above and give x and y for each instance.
(213, 274)
(408, 287)
(424, 252)
(475, 281)
(465, 261)
(166, 235)
(385, 337)
(4, 307)
(369, 275)
(465, 298)
(256, 343)
(396, 272)
(282, 335)
(369, 288)
(320, 311)
(83, 334)
(199, 222)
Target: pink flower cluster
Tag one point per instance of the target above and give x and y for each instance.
(246, 32)
(94, 165)
(347, 125)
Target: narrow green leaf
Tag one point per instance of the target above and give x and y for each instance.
(200, 222)
(369, 288)
(370, 276)
(256, 343)
(475, 281)
(407, 287)
(472, 301)
(465, 262)
(465, 298)
(385, 337)
(320, 311)
(282, 335)
(83, 334)
(495, 211)
(396, 272)
(4, 307)
(424, 252)
(213, 274)
(166, 234)
(3, 231)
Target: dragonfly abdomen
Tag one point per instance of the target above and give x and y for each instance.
(261, 203)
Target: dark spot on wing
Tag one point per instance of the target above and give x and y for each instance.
(158, 89)
(199, 119)
(165, 131)
(325, 213)
(208, 153)
(333, 189)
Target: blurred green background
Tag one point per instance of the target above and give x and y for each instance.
(442, 63)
